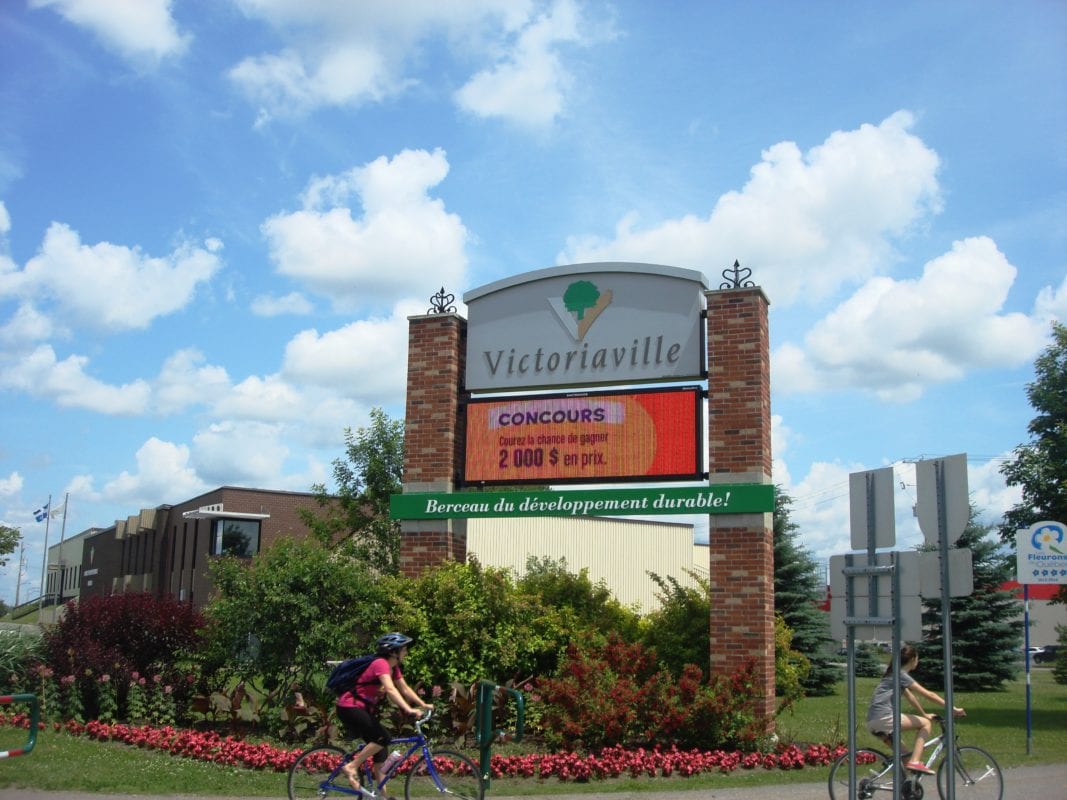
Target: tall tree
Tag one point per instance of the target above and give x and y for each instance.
(987, 627)
(9, 540)
(356, 516)
(799, 588)
(1040, 466)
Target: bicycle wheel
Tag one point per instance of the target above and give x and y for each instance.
(873, 770)
(977, 775)
(457, 776)
(309, 777)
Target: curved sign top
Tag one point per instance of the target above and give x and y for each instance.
(586, 325)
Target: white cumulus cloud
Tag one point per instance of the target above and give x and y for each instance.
(67, 384)
(240, 453)
(141, 31)
(805, 222)
(373, 260)
(351, 54)
(11, 485)
(366, 359)
(163, 471)
(106, 286)
(185, 380)
(529, 83)
(895, 337)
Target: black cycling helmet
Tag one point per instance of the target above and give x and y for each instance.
(392, 642)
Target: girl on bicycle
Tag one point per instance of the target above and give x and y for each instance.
(359, 711)
(880, 711)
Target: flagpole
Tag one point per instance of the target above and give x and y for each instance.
(44, 558)
(22, 564)
(62, 533)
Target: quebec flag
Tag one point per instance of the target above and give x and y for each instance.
(41, 513)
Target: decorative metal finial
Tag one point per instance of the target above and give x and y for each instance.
(737, 278)
(442, 303)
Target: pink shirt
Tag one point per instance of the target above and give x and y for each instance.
(369, 689)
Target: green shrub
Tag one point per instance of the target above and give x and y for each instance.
(19, 651)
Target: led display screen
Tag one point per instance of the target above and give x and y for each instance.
(589, 437)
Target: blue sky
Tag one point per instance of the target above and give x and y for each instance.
(216, 217)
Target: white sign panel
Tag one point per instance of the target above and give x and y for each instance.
(942, 481)
(1041, 553)
(584, 325)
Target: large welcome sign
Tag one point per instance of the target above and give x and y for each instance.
(586, 325)
(649, 435)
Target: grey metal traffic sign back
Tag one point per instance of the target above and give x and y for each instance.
(871, 515)
(941, 486)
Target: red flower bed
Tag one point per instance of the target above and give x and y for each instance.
(610, 762)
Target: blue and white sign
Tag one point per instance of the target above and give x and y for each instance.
(1041, 552)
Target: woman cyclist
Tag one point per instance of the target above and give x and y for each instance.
(880, 712)
(359, 709)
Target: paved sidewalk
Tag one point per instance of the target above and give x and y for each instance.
(1044, 782)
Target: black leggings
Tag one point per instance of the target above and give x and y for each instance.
(360, 724)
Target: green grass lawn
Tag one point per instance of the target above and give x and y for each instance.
(996, 721)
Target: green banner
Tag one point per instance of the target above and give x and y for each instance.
(734, 498)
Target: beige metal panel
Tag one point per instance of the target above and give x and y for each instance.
(619, 552)
(702, 559)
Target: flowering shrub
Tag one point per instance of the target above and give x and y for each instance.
(609, 762)
(117, 635)
(614, 694)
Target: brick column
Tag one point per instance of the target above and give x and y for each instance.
(433, 435)
(739, 451)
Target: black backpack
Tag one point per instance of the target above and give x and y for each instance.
(344, 676)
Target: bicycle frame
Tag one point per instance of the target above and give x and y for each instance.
(417, 742)
(938, 745)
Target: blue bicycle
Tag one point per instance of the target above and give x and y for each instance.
(317, 773)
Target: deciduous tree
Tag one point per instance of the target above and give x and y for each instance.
(9, 540)
(1039, 467)
(356, 515)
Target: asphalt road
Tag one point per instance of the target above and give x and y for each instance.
(1044, 782)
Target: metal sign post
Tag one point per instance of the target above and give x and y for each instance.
(1041, 557)
(944, 510)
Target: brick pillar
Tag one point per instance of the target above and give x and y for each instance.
(433, 435)
(739, 451)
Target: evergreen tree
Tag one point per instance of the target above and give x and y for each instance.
(798, 589)
(987, 627)
(1059, 666)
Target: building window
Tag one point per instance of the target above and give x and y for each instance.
(235, 537)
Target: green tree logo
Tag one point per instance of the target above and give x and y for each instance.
(581, 296)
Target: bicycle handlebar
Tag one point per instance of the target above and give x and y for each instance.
(419, 721)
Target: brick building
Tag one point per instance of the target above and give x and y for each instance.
(168, 549)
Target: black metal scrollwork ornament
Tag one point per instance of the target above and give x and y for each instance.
(736, 278)
(442, 303)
